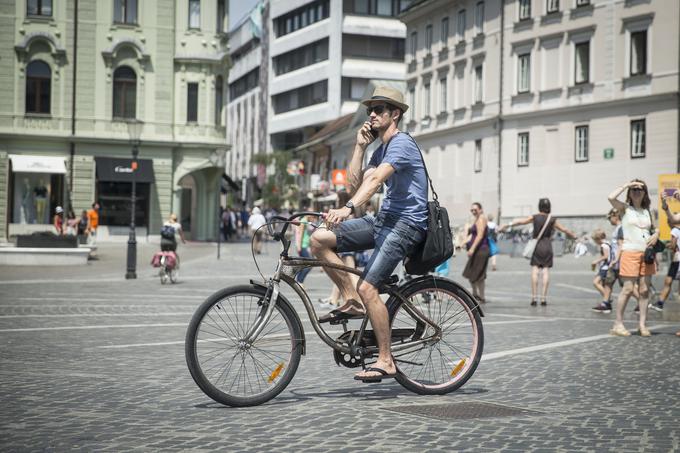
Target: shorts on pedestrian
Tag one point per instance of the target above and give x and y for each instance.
(168, 246)
(633, 265)
(391, 238)
(611, 276)
(673, 269)
(602, 273)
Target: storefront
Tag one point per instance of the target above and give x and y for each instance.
(114, 190)
(36, 188)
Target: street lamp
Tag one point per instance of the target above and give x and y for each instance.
(134, 127)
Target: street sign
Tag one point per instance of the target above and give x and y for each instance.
(608, 153)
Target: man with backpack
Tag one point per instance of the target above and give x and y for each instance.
(169, 230)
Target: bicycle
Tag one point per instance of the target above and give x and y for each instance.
(244, 343)
(168, 264)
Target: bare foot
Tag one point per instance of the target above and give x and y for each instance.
(388, 366)
(352, 306)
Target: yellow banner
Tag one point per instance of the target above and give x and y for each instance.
(667, 184)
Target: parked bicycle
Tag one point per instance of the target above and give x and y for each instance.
(244, 343)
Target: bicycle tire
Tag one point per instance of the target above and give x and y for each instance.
(451, 372)
(173, 274)
(282, 374)
(164, 276)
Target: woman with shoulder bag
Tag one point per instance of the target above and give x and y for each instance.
(635, 266)
(542, 257)
(477, 252)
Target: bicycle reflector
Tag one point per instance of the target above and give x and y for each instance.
(275, 373)
(457, 368)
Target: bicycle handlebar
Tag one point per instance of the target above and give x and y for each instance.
(287, 221)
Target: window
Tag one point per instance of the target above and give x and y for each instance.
(414, 43)
(637, 139)
(244, 84)
(478, 156)
(524, 73)
(427, 95)
(307, 15)
(38, 87)
(638, 53)
(442, 94)
(192, 102)
(523, 149)
(479, 17)
(582, 2)
(219, 99)
(353, 89)
(372, 47)
(125, 11)
(39, 7)
(307, 95)
(194, 13)
(582, 63)
(221, 16)
(460, 26)
(552, 6)
(444, 32)
(524, 9)
(301, 57)
(124, 93)
(428, 38)
(374, 7)
(479, 92)
(581, 144)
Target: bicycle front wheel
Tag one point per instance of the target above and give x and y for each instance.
(442, 364)
(231, 370)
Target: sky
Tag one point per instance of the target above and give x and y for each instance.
(238, 9)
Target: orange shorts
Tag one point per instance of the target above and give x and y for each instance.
(633, 265)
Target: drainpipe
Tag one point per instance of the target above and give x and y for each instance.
(73, 101)
(499, 123)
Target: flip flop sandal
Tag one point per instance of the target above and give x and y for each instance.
(368, 379)
(336, 316)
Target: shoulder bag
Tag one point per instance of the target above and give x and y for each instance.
(438, 244)
(658, 247)
(530, 248)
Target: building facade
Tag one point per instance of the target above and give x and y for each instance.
(582, 98)
(66, 142)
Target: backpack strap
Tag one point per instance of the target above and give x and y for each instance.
(435, 197)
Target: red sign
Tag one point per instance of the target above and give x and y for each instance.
(339, 177)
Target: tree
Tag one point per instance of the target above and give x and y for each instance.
(280, 186)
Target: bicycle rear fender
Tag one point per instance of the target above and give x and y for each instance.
(432, 277)
(282, 299)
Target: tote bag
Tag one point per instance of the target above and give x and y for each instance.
(530, 248)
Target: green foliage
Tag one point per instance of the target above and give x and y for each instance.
(280, 186)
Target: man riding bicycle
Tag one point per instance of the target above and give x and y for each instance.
(394, 233)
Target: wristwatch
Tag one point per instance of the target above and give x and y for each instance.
(350, 205)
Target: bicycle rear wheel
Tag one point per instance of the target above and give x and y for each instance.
(231, 370)
(439, 366)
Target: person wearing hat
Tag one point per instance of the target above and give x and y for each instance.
(58, 220)
(255, 222)
(394, 233)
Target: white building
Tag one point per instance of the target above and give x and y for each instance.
(589, 100)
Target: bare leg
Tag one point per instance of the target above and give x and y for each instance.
(626, 292)
(322, 244)
(546, 282)
(597, 283)
(377, 313)
(534, 282)
(335, 295)
(607, 294)
(493, 263)
(480, 289)
(644, 298)
(667, 283)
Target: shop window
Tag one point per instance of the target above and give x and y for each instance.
(125, 11)
(124, 93)
(38, 87)
(35, 196)
(39, 8)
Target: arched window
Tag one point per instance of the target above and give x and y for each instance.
(219, 100)
(124, 93)
(38, 87)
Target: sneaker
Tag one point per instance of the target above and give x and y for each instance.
(603, 307)
(658, 305)
(326, 306)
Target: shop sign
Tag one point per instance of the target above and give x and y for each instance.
(339, 177)
(668, 184)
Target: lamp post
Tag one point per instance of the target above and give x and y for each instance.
(134, 127)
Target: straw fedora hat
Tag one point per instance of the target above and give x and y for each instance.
(387, 95)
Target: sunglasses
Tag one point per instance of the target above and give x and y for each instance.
(378, 109)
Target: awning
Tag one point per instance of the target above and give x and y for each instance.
(120, 170)
(230, 184)
(37, 164)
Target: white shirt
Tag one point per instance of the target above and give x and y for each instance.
(176, 225)
(256, 221)
(636, 224)
(675, 232)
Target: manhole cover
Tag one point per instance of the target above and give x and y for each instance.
(463, 410)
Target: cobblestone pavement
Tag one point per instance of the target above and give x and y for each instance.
(92, 362)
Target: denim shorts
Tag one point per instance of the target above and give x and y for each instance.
(393, 240)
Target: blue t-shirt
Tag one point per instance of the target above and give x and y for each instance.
(406, 194)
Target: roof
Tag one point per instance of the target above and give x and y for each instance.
(332, 127)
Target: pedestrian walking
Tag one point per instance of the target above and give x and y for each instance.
(601, 266)
(673, 217)
(493, 237)
(477, 252)
(638, 235)
(244, 215)
(93, 223)
(58, 220)
(612, 275)
(672, 270)
(82, 228)
(71, 223)
(544, 224)
(256, 221)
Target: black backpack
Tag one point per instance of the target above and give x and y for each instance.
(168, 232)
(438, 244)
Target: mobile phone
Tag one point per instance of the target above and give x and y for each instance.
(374, 133)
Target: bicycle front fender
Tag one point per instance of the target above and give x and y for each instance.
(283, 300)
